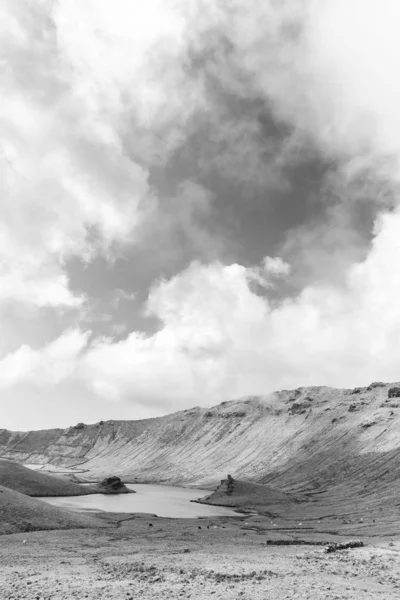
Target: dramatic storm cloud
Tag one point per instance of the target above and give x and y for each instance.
(199, 202)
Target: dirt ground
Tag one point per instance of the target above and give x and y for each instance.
(228, 558)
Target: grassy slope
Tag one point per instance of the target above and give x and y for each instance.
(244, 494)
(19, 513)
(33, 483)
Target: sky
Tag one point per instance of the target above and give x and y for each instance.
(199, 201)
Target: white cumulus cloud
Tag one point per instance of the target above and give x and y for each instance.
(45, 367)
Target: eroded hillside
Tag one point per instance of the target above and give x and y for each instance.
(306, 440)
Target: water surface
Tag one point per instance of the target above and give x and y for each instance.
(162, 500)
(33, 467)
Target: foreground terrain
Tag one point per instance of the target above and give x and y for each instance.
(174, 559)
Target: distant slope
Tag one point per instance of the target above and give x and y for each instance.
(33, 483)
(309, 440)
(19, 513)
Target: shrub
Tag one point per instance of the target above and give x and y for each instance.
(298, 408)
(368, 424)
(335, 546)
(375, 384)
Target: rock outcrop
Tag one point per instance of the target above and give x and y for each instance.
(113, 485)
(394, 392)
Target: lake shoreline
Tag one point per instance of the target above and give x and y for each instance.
(93, 480)
(162, 500)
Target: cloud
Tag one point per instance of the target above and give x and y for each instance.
(128, 70)
(46, 367)
(218, 339)
(339, 90)
(326, 71)
(276, 266)
(67, 188)
(323, 250)
(122, 296)
(185, 226)
(100, 93)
